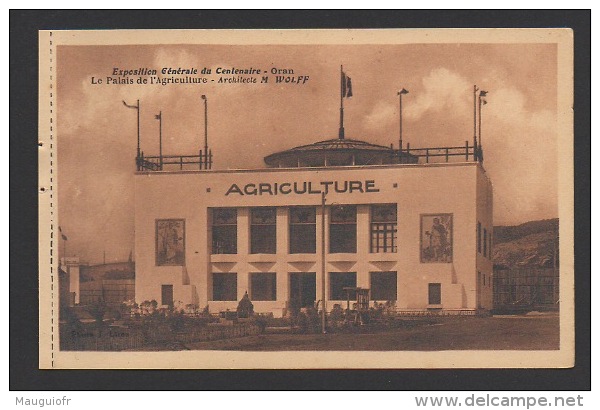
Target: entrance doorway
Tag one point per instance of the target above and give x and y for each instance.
(167, 295)
(303, 289)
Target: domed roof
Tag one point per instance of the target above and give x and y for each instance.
(334, 152)
(337, 144)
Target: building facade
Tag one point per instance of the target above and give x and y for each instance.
(415, 233)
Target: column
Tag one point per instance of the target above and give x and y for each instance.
(283, 248)
(243, 248)
(362, 245)
(319, 267)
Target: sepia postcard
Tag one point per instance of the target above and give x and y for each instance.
(306, 199)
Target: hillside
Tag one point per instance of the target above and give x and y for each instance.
(529, 244)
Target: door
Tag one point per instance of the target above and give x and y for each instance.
(303, 289)
(479, 286)
(167, 295)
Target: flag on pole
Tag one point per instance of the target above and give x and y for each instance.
(157, 116)
(64, 237)
(346, 86)
(482, 95)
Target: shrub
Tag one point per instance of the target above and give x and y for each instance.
(376, 312)
(302, 322)
(336, 317)
(308, 321)
(337, 313)
(261, 322)
(206, 312)
(390, 307)
(129, 308)
(176, 321)
(97, 310)
(72, 321)
(314, 320)
(294, 309)
(245, 308)
(191, 310)
(148, 307)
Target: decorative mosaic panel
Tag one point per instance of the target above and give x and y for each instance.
(170, 242)
(436, 238)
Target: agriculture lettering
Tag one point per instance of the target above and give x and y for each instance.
(300, 188)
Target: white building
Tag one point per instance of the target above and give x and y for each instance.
(70, 288)
(413, 226)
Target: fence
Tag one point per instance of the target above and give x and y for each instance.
(406, 313)
(115, 338)
(112, 291)
(526, 288)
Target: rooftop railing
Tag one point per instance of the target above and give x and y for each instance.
(202, 161)
(439, 154)
(408, 155)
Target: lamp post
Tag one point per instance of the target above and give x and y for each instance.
(323, 281)
(136, 107)
(64, 238)
(475, 89)
(342, 95)
(159, 118)
(482, 101)
(205, 131)
(400, 94)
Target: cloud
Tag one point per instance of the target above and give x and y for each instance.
(381, 116)
(174, 58)
(522, 148)
(520, 142)
(442, 90)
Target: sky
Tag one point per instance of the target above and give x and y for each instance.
(97, 135)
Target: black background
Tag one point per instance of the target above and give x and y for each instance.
(24, 373)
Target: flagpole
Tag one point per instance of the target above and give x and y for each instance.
(479, 125)
(400, 93)
(475, 122)
(138, 128)
(205, 131)
(160, 139)
(400, 142)
(342, 83)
